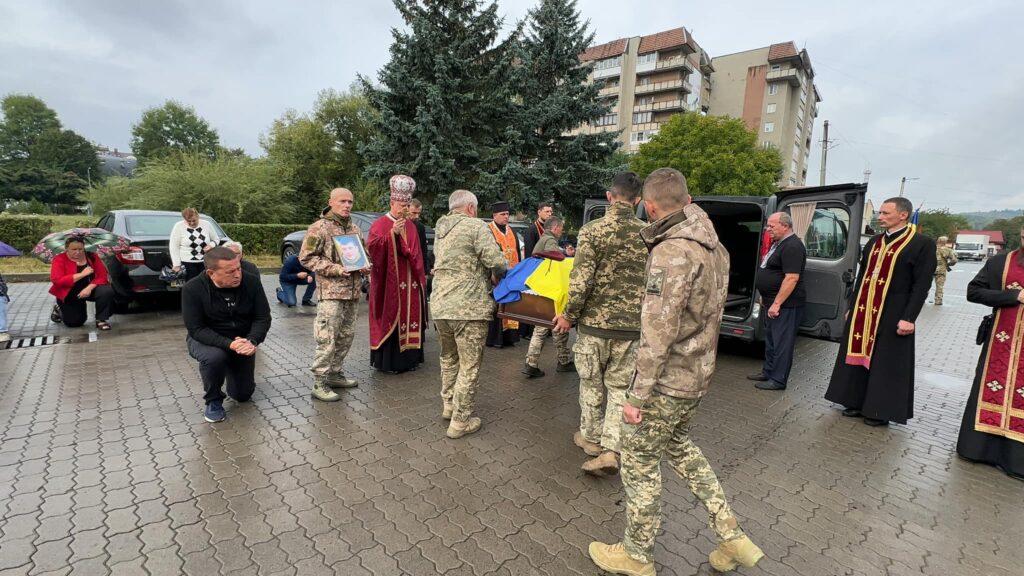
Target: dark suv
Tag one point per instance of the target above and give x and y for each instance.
(136, 271)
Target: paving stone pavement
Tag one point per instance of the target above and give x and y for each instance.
(107, 467)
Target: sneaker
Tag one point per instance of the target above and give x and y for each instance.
(447, 411)
(323, 392)
(214, 411)
(589, 448)
(340, 381)
(460, 429)
(567, 367)
(607, 464)
(55, 314)
(5, 337)
(735, 553)
(532, 371)
(614, 558)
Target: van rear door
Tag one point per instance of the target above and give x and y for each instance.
(833, 217)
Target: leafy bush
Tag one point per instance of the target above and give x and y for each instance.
(33, 206)
(260, 238)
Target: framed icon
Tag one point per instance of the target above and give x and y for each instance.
(353, 256)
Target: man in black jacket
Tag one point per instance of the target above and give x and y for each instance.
(227, 316)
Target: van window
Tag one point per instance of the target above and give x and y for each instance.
(828, 233)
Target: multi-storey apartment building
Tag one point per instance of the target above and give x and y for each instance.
(772, 89)
(647, 79)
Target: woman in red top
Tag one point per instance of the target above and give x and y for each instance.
(78, 277)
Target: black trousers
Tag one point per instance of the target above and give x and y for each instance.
(73, 312)
(779, 340)
(217, 365)
(193, 269)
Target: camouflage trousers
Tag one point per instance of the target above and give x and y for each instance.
(940, 287)
(462, 351)
(333, 331)
(605, 367)
(537, 345)
(663, 432)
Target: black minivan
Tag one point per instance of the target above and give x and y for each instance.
(833, 252)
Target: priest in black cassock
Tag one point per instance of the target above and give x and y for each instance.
(874, 373)
(992, 431)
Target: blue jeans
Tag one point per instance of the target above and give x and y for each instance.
(286, 295)
(3, 313)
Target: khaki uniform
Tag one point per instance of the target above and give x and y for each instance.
(337, 294)
(606, 290)
(944, 257)
(686, 288)
(466, 257)
(547, 243)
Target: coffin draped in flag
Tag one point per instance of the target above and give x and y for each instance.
(534, 277)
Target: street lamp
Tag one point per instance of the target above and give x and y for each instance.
(903, 182)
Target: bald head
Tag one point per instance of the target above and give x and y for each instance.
(341, 202)
(665, 191)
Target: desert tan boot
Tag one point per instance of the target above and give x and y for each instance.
(322, 391)
(607, 464)
(614, 558)
(340, 381)
(589, 448)
(460, 429)
(446, 412)
(735, 553)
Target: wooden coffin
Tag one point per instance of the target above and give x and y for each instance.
(531, 309)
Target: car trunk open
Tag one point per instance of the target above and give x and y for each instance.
(740, 227)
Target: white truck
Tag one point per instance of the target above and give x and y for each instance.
(971, 246)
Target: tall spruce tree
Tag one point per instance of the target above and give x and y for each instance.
(553, 99)
(444, 100)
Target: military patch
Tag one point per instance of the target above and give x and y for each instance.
(312, 242)
(655, 280)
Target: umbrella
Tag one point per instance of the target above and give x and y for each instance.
(8, 250)
(97, 240)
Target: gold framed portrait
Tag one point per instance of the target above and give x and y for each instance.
(351, 252)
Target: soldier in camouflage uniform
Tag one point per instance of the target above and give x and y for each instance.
(606, 289)
(466, 259)
(686, 288)
(945, 258)
(337, 295)
(548, 243)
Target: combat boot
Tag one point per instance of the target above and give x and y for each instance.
(532, 371)
(569, 366)
(589, 448)
(446, 412)
(322, 391)
(460, 429)
(614, 558)
(735, 553)
(607, 464)
(340, 381)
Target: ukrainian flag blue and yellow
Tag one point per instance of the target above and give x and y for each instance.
(541, 276)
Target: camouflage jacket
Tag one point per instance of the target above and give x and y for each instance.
(687, 284)
(320, 255)
(465, 257)
(547, 243)
(945, 257)
(606, 287)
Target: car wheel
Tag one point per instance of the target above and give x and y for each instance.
(287, 252)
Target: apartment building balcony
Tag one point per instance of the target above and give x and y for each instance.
(609, 91)
(668, 106)
(677, 63)
(588, 129)
(792, 75)
(680, 84)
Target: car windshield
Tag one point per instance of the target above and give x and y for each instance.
(157, 225)
(969, 246)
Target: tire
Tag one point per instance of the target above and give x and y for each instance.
(287, 251)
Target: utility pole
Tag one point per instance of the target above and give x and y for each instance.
(903, 182)
(824, 154)
(867, 174)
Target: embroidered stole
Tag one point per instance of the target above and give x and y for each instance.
(507, 243)
(1001, 392)
(871, 297)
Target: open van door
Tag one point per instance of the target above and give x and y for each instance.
(833, 219)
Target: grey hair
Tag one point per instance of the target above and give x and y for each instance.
(460, 199)
(550, 224)
(232, 244)
(785, 219)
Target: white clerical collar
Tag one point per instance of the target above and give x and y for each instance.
(894, 234)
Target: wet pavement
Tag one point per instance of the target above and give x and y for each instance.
(107, 467)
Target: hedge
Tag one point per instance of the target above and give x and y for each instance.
(23, 232)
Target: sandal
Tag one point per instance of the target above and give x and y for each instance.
(103, 326)
(55, 314)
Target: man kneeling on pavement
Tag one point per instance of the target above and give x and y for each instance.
(227, 316)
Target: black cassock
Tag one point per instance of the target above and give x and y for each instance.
(1004, 453)
(496, 335)
(886, 391)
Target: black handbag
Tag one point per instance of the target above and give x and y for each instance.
(985, 329)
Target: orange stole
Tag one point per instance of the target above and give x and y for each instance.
(507, 243)
(1001, 396)
(871, 298)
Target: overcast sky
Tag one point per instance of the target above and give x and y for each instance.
(924, 89)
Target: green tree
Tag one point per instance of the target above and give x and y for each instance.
(444, 100)
(25, 119)
(228, 188)
(718, 156)
(935, 223)
(58, 189)
(554, 98)
(172, 127)
(66, 151)
(1010, 227)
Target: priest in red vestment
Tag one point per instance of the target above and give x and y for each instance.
(397, 282)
